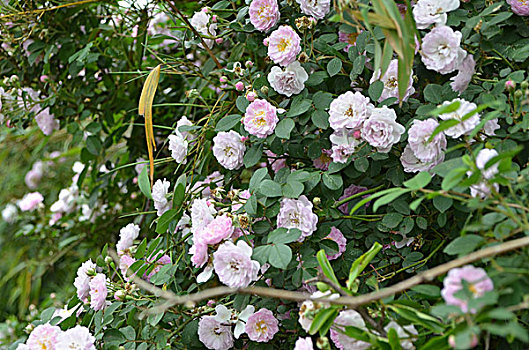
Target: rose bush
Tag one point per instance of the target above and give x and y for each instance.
(347, 175)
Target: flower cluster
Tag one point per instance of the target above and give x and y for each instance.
(46, 336)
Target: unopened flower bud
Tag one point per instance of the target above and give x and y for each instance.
(205, 9)
(108, 259)
(524, 85)
(120, 295)
(219, 40)
(251, 96)
(223, 79)
(91, 272)
(211, 303)
(316, 201)
(214, 18)
(518, 94)
(264, 89)
(239, 86)
(323, 343)
(265, 41)
(510, 85)
(193, 93)
(303, 57)
(248, 64)
(44, 78)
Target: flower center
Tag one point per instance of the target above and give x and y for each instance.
(283, 44)
(391, 83)
(294, 218)
(261, 327)
(473, 289)
(228, 151)
(350, 113)
(259, 119)
(234, 265)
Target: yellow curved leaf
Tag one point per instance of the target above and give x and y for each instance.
(145, 110)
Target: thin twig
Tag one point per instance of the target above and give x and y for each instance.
(351, 302)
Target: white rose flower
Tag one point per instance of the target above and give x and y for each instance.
(290, 81)
(178, 147)
(159, 196)
(465, 126)
(391, 85)
(441, 50)
(428, 12)
(381, 130)
(229, 149)
(349, 110)
(315, 8)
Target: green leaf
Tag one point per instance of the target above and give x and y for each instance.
(394, 340)
(144, 183)
(326, 267)
(179, 195)
(428, 290)
(419, 181)
(253, 155)
(433, 93)
(375, 90)
(463, 245)
(390, 197)
(361, 164)
(261, 254)
(442, 203)
(360, 263)
(392, 220)
(165, 220)
(242, 103)
(332, 181)
(283, 235)
(453, 178)
(320, 119)
(228, 122)
(444, 109)
(293, 189)
(280, 256)
(93, 145)
(284, 127)
(316, 78)
(323, 317)
(269, 188)
(258, 176)
(299, 106)
(334, 66)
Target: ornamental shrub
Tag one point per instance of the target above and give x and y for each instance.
(264, 173)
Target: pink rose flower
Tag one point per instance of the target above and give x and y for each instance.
(217, 230)
(214, 334)
(478, 284)
(234, 265)
(264, 14)
(342, 341)
(381, 129)
(30, 201)
(275, 162)
(464, 127)
(520, 7)
(465, 72)
(261, 326)
(161, 261)
(199, 253)
(260, 118)
(418, 136)
(391, 85)
(228, 149)
(317, 9)
(78, 337)
(125, 261)
(337, 236)
(297, 213)
(441, 51)
(284, 45)
(98, 292)
(323, 161)
(349, 110)
(82, 281)
(43, 336)
(304, 344)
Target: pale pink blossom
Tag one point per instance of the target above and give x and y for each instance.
(441, 50)
(412, 164)
(478, 284)
(228, 149)
(201, 214)
(304, 344)
(260, 118)
(264, 14)
(160, 190)
(344, 142)
(98, 292)
(391, 82)
(157, 260)
(275, 161)
(199, 252)
(406, 334)
(520, 7)
(44, 337)
(483, 189)
(217, 230)
(178, 146)
(464, 127)
(315, 8)
(324, 160)
(342, 341)
(127, 235)
(465, 72)
(261, 326)
(337, 236)
(348, 192)
(214, 334)
(82, 281)
(418, 139)
(289, 81)
(349, 110)
(46, 121)
(33, 176)
(427, 12)
(381, 129)
(297, 213)
(30, 201)
(284, 45)
(234, 266)
(78, 337)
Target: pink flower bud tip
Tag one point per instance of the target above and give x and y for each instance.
(44, 78)
(249, 64)
(214, 18)
(223, 79)
(510, 85)
(219, 40)
(239, 86)
(251, 96)
(265, 42)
